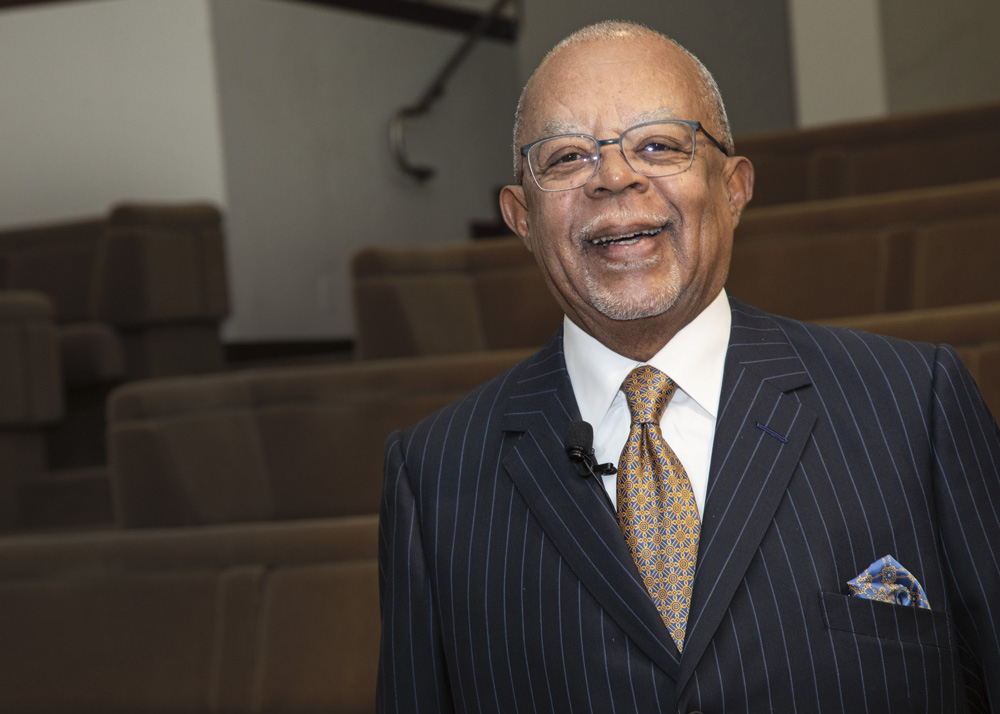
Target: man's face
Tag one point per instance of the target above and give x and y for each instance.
(625, 246)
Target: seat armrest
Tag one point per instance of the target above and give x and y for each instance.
(160, 264)
(31, 388)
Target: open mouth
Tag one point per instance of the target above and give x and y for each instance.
(627, 239)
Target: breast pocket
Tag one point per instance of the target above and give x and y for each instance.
(896, 658)
(921, 626)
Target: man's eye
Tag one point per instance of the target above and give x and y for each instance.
(566, 156)
(655, 147)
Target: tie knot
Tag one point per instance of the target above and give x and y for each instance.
(647, 391)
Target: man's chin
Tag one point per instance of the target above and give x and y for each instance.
(625, 309)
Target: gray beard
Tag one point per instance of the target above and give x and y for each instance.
(627, 305)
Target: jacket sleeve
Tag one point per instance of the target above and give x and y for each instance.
(412, 674)
(967, 493)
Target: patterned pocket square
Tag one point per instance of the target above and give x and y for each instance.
(886, 580)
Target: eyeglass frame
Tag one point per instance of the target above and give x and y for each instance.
(696, 126)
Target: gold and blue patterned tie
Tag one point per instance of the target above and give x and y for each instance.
(656, 508)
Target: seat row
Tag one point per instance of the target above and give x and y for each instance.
(270, 618)
(306, 442)
(892, 264)
(906, 250)
(920, 150)
(296, 442)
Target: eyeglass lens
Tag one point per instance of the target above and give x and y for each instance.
(653, 149)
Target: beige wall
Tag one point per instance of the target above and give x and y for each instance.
(858, 59)
(306, 95)
(106, 101)
(746, 46)
(940, 54)
(837, 56)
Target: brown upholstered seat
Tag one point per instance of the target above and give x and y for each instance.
(31, 394)
(870, 254)
(261, 617)
(876, 155)
(138, 293)
(294, 442)
(459, 297)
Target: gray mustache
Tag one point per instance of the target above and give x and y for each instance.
(591, 229)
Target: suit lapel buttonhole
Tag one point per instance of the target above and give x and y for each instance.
(771, 432)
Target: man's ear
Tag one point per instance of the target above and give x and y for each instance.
(739, 182)
(514, 208)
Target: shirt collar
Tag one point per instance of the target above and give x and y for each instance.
(694, 359)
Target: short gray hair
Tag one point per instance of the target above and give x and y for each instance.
(618, 29)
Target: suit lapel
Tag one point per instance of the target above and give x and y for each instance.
(760, 435)
(761, 432)
(572, 510)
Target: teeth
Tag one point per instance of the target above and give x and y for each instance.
(625, 239)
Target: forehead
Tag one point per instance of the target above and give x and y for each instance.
(602, 85)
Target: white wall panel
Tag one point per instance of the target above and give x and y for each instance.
(106, 101)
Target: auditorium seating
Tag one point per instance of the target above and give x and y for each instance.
(263, 618)
(479, 295)
(932, 148)
(31, 397)
(855, 256)
(815, 260)
(273, 443)
(247, 576)
(241, 575)
(307, 442)
(974, 329)
(137, 293)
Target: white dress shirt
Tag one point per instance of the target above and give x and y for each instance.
(694, 359)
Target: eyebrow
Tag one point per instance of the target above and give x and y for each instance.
(554, 127)
(655, 115)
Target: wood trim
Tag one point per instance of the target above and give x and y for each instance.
(424, 13)
(4, 4)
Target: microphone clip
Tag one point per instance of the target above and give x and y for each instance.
(579, 440)
(586, 467)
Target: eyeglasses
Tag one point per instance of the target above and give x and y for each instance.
(653, 149)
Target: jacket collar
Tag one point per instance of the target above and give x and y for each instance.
(573, 511)
(760, 434)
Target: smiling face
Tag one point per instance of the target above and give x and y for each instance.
(628, 257)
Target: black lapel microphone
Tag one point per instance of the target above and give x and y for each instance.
(580, 449)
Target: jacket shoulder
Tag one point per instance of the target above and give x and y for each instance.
(816, 341)
(482, 405)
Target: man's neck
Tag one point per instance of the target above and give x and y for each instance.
(694, 358)
(642, 338)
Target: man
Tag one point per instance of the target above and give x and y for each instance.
(813, 471)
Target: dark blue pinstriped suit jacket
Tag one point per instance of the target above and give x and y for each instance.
(507, 587)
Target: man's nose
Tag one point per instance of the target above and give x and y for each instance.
(614, 174)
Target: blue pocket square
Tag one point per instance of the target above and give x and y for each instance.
(886, 580)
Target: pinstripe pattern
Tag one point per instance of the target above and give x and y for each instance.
(507, 587)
